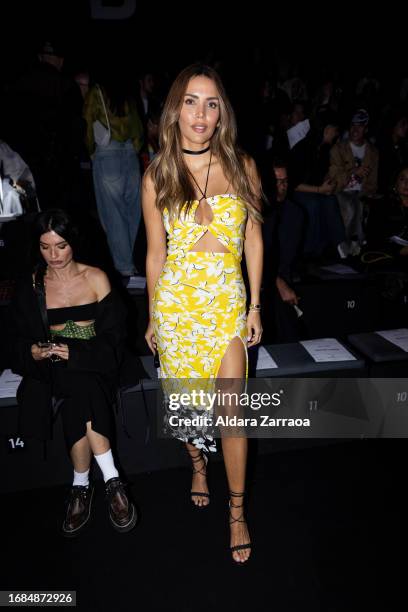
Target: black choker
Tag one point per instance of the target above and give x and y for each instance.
(195, 152)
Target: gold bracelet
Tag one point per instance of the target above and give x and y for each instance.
(256, 307)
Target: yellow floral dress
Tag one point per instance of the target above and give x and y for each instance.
(199, 301)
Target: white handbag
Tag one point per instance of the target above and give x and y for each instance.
(10, 203)
(102, 135)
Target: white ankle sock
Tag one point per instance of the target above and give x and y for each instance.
(107, 465)
(81, 478)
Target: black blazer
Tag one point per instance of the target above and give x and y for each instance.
(102, 356)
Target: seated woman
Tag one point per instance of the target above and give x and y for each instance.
(283, 231)
(68, 336)
(392, 147)
(388, 220)
(312, 189)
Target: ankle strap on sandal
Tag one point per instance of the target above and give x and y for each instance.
(234, 494)
(240, 518)
(198, 457)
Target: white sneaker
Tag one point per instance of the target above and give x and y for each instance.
(343, 250)
(355, 248)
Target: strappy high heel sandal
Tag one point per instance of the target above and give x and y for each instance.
(240, 519)
(203, 471)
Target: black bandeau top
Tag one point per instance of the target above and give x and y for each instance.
(85, 312)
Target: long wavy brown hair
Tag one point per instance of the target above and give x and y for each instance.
(168, 170)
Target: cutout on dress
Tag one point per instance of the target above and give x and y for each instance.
(220, 248)
(62, 326)
(217, 248)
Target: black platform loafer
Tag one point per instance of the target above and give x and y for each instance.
(78, 510)
(122, 511)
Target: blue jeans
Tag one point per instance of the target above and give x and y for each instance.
(324, 225)
(116, 175)
(351, 207)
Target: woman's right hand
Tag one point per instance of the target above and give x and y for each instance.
(39, 353)
(151, 338)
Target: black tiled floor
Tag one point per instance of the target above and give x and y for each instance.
(317, 518)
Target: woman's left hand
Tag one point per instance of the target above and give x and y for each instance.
(61, 350)
(254, 328)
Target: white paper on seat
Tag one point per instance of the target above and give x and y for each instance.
(339, 269)
(298, 132)
(399, 240)
(327, 349)
(265, 361)
(399, 337)
(8, 384)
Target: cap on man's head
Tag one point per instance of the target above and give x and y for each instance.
(51, 48)
(360, 117)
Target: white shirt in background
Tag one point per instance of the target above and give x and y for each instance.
(355, 183)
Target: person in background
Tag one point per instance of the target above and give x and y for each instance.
(17, 182)
(42, 108)
(116, 166)
(393, 149)
(83, 81)
(151, 145)
(146, 98)
(326, 99)
(295, 86)
(283, 234)
(283, 231)
(353, 174)
(82, 183)
(387, 227)
(312, 189)
(14, 168)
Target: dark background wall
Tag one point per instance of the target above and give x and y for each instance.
(345, 36)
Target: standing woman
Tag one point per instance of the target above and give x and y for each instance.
(205, 194)
(116, 166)
(68, 339)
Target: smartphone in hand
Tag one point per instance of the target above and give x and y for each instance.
(47, 345)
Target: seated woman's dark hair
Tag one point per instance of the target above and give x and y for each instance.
(53, 220)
